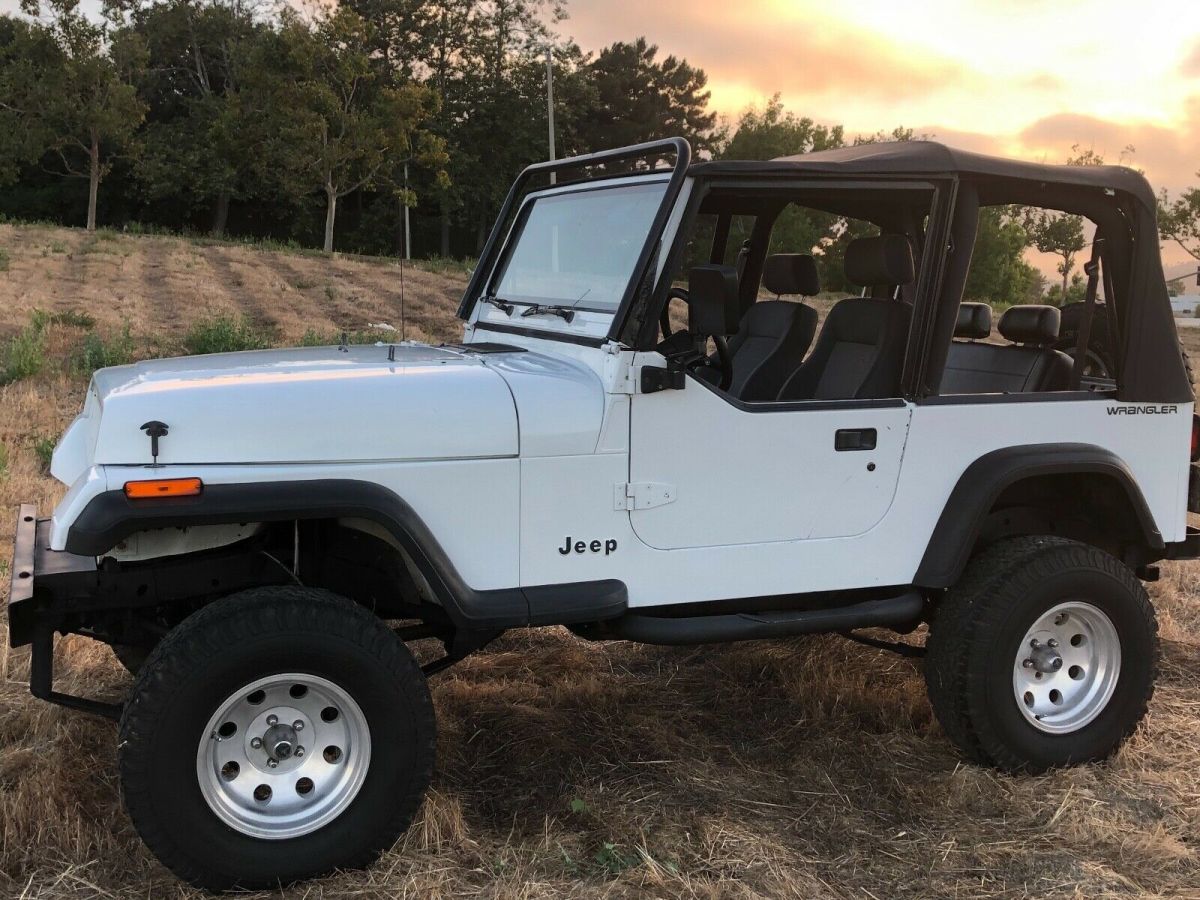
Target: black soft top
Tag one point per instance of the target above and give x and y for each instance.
(1117, 199)
(929, 159)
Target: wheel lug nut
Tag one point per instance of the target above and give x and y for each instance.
(1028, 663)
(1034, 643)
(272, 720)
(299, 751)
(298, 725)
(1052, 643)
(256, 743)
(271, 764)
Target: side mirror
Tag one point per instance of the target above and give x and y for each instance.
(713, 300)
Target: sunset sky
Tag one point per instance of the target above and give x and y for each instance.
(1016, 77)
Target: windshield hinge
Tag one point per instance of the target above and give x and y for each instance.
(652, 379)
(642, 495)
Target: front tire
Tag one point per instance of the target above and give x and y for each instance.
(273, 736)
(1044, 655)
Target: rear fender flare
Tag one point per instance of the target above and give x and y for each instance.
(985, 480)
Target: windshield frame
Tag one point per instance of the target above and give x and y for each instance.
(505, 230)
(518, 229)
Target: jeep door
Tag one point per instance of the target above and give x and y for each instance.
(742, 473)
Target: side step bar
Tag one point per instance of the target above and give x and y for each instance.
(903, 610)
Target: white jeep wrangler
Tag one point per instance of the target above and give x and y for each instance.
(258, 534)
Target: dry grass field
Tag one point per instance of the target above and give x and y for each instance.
(807, 768)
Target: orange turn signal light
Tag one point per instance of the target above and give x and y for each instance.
(166, 487)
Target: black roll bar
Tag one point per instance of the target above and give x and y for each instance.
(491, 250)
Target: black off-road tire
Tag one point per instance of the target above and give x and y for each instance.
(213, 654)
(977, 631)
(130, 657)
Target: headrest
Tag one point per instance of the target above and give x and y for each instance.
(1030, 324)
(885, 260)
(974, 321)
(791, 273)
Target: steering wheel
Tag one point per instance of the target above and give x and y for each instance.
(673, 340)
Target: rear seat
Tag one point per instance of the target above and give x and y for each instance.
(1026, 365)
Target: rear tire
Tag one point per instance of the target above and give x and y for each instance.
(1043, 655)
(200, 780)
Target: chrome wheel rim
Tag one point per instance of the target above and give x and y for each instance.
(1067, 667)
(283, 756)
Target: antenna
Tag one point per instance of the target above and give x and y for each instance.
(403, 310)
(407, 254)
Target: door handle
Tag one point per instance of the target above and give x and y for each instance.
(854, 439)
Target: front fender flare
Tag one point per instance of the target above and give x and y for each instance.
(986, 478)
(111, 517)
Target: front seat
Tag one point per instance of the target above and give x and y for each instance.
(774, 335)
(860, 351)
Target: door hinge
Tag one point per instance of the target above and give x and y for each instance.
(642, 495)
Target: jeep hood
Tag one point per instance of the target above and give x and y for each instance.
(331, 405)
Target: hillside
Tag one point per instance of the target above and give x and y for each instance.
(804, 768)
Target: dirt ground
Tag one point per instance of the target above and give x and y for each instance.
(805, 768)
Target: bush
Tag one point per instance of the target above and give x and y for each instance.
(25, 354)
(98, 353)
(43, 447)
(3, 260)
(224, 334)
(445, 265)
(72, 319)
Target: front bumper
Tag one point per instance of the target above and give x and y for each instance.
(42, 579)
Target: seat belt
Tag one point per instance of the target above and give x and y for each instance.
(1092, 268)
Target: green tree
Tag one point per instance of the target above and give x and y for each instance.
(999, 272)
(1179, 219)
(203, 143)
(1059, 234)
(339, 127)
(84, 109)
(1062, 234)
(639, 98)
(1075, 292)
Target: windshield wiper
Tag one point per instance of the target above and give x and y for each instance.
(563, 312)
(503, 305)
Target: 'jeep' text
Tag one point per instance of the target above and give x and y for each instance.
(608, 546)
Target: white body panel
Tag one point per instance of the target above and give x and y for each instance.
(756, 477)
(318, 404)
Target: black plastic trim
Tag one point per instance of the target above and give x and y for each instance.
(775, 406)
(986, 478)
(1188, 548)
(1031, 397)
(110, 517)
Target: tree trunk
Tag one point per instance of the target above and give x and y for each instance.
(330, 214)
(1066, 282)
(446, 233)
(220, 214)
(93, 180)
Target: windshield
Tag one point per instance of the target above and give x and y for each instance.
(579, 249)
